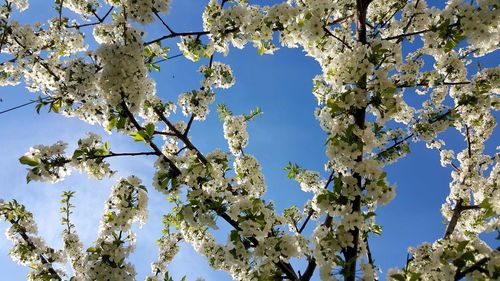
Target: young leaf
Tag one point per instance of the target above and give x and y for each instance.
(26, 160)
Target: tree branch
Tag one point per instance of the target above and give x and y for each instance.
(404, 35)
(284, 266)
(426, 84)
(175, 170)
(112, 154)
(311, 212)
(190, 122)
(99, 20)
(43, 260)
(176, 34)
(162, 21)
(477, 266)
(180, 135)
(336, 37)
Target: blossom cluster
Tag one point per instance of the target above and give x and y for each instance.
(28, 248)
(236, 134)
(51, 164)
(115, 241)
(88, 156)
(105, 260)
(363, 108)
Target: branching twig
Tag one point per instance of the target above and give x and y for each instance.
(158, 151)
(99, 20)
(22, 105)
(43, 260)
(404, 35)
(477, 266)
(336, 37)
(311, 212)
(162, 21)
(426, 84)
(176, 34)
(190, 122)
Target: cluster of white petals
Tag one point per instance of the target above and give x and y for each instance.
(366, 95)
(86, 157)
(48, 161)
(235, 133)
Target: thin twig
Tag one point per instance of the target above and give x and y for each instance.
(112, 154)
(176, 34)
(60, 13)
(180, 135)
(426, 84)
(477, 266)
(284, 266)
(336, 37)
(44, 260)
(188, 127)
(371, 261)
(167, 58)
(132, 119)
(162, 21)
(22, 105)
(311, 212)
(404, 35)
(99, 20)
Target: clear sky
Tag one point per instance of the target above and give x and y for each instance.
(287, 131)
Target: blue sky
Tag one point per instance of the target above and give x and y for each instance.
(287, 131)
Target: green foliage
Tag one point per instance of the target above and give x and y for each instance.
(145, 135)
(293, 170)
(30, 161)
(151, 58)
(254, 113)
(450, 33)
(223, 111)
(377, 54)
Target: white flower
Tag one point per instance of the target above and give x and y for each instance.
(235, 133)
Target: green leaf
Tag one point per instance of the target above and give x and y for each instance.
(26, 160)
(399, 277)
(333, 105)
(234, 236)
(38, 107)
(164, 180)
(369, 214)
(461, 262)
(485, 204)
(337, 185)
(77, 153)
(150, 129)
(461, 245)
(390, 90)
(56, 105)
(253, 114)
(112, 123)
(143, 188)
(121, 122)
(223, 111)
(137, 136)
(92, 250)
(415, 276)
(293, 170)
(376, 229)
(449, 45)
(261, 49)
